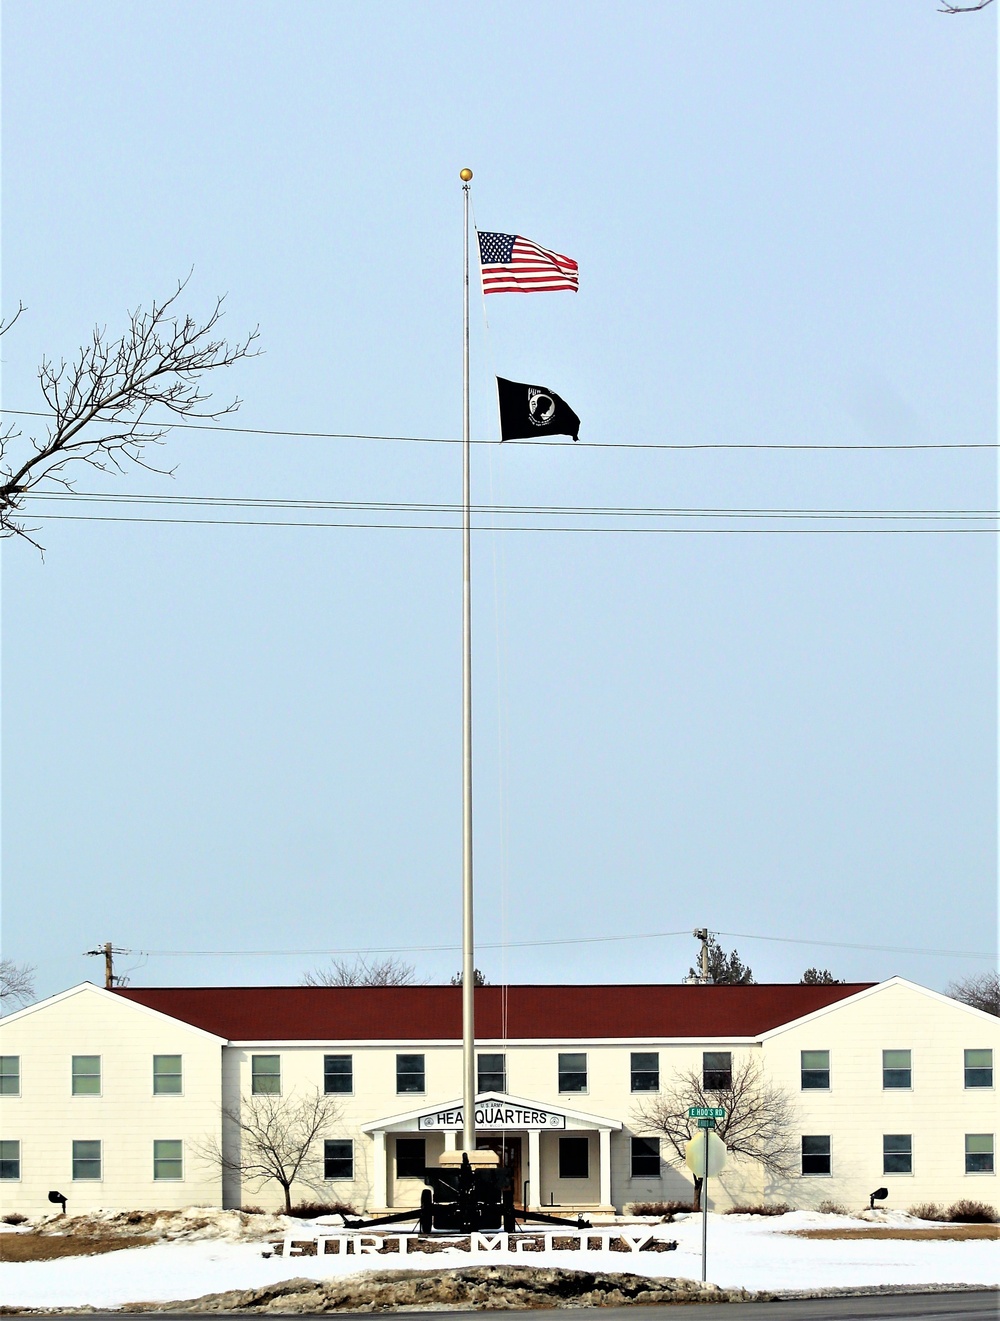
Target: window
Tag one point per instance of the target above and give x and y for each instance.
(492, 1073)
(10, 1159)
(410, 1074)
(338, 1158)
(87, 1077)
(167, 1079)
(645, 1071)
(338, 1076)
(572, 1075)
(816, 1070)
(896, 1070)
(978, 1068)
(645, 1158)
(10, 1075)
(86, 1160)
(717, 1070)
(979, 1153)
(816, 1154)
(168, 1159)
(897, 1153)
(265, 1075)
(411, 1159)
(574, 1158)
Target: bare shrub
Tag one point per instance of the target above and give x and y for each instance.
(760, 1209)
(666, 1209)
(928, 1211)
(967, 1212)
(15, 1218)
(832, 1209)
(310, 1210)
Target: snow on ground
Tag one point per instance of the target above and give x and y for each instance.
(751, 1252)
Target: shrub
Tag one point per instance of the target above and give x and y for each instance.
(666, 1209)
(310, 1210)
(15, 1218)
(760, 1209)
(832, 1209)
(253, 1210)
(928, 1211)
(972, 1213)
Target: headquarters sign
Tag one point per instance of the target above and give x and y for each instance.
(492, 1115)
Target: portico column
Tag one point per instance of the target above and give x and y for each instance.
(380, 1186)
(604, 1135)
(450, 1143)
(534, 1170)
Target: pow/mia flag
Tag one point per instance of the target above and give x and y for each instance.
(529, 412)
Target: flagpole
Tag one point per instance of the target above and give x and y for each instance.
(468, 958)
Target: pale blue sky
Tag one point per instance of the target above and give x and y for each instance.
(234, 739)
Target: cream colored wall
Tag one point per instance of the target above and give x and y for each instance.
(856, 1111)
(126, 1117)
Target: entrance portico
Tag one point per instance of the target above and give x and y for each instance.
(561, 1159)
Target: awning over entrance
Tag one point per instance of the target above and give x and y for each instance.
(500, 1113)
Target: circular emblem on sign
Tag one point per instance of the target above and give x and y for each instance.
(541, 407)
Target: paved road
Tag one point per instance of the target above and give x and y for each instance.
(972, 1306)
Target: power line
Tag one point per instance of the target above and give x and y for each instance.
(534, 944)
(576, 511)
(439, 527)
(562, 444)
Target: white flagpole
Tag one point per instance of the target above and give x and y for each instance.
(468, 955)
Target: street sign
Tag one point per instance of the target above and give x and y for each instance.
(706, 1112)
(706, 1123)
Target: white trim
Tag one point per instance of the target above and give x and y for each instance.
(500, 1098)
(502, 1043)
(90, 988)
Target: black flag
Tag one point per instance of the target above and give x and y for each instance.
(528, 412)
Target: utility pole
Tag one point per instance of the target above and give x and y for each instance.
(108, 951)
(702, 934)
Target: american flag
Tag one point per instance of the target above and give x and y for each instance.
(514, 265)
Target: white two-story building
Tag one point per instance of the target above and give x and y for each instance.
(116, 1099)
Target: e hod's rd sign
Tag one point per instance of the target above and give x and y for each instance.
(492, 1114)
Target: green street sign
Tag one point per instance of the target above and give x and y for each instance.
(706, 1123)
(706, 1112)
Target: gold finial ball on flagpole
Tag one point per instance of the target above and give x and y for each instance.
(465, 175)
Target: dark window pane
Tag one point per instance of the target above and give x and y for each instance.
(897, 1153)
(572, 1071)
(979, 1153)
(896, 1068)
(816, 1154)
(816, 1069)
(645, 1071)
(717, 1070)
(574, 1158)
(645, 1158)
(411, 1160)
(10, 1159)
(410, 1073)
(86, 1160)
(168, 1159)
(491, 1074)
(979, 1068)
(338, 1159)
(338, 1074)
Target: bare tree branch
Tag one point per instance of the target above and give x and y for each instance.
(102, 399)
(948, 8)
(380, 972)
(277, 1140)
(758, 1124)
(981, 990)
(17, 982)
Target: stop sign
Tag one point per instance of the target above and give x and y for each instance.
(694, 1153)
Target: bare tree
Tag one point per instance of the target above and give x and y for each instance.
(379, 972)
(948, 8)
(757, 1127)
(102, 399)
(981, 990)
(17, 982)
(478, 978)
(820, 977)
(277, 1140)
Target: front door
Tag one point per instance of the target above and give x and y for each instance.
(509, 1150)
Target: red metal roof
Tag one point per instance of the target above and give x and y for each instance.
(434, 1013)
